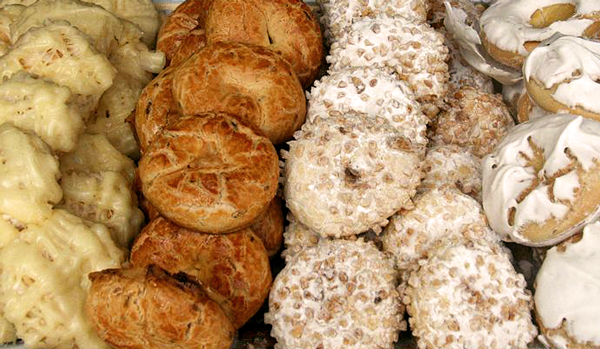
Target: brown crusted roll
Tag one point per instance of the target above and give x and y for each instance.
(249, 81)
(155, 108)
(233, 268)
(146, 308)
(269, 227)
(210, 172)
(286, 26)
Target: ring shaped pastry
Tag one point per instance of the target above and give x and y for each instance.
(210, 173)
(563, 76)
(510, 29)
(249, 81)
(540, 185)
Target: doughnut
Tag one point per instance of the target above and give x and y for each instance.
(287, 27)
(439, 213)
(370, 91)
(210, 172)
(338, 294)
(231, 268)
(517, 100)
(415, 52)
(297, 237)
(437, 11)
(344, 175)
(510, 29)
(469, 296)
(567, 292)
(338, 15)
(472, 119)
(249, 81)
(557, 73)
(451, 165)
(540, 185)
(155, 311)
(268, 227)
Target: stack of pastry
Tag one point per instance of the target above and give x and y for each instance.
(207, 127)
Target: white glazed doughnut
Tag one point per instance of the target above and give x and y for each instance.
(297, 237)
(438, 214)
(510, 29)
(338, 15)
(345, 175)
(567, 292)
(414, 51)
(339, 294)
(540, 185)
(469, 296)
(562, 76)
(451, 165)
(372, 92)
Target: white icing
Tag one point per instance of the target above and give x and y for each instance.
(574, 64)
(505, 175)
(506, 22)
(573, 278)
(565, 186)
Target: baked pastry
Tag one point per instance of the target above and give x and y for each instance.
(540, 185)
(567, 292)
(557, 73)
(210, 172)
(453, 166)
(297, 237)
(414, 51)
(155, 311)
(232, 269)
(252, 82)
(268, 227)
(344, 175)
(472, 119)
(372, 92)
(439, 214)
(468, 295)
(286, 27)
(338, 294)
(510, 29)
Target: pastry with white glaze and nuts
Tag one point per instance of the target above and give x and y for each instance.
(338, 294)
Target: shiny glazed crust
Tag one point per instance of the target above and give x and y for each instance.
(233, 269)
(146, 308)
(210, 173)
(268, 227)
(249, 81)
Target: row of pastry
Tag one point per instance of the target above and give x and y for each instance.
(439, 177)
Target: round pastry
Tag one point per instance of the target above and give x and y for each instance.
(338, 15)
(541, 184)
(510, 29)
(286, 27)
(155, 108)
(346, 174)
(437, 12)
(438, 214)
(567, 290)
(146, 308)
(297, 237)
(210, 172)
(268, 227)
(372, 92)
(338, 294)
(414, 51)
(469, 296)
(557, 73)
(451, 165)
(248, 81)
(472, 119)
(233, 269)
(517, 100)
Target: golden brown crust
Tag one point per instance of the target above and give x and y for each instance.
(210, 172)
(269, 227)
(155, 108)
(249, 81)
(146, 308)
(233, 268)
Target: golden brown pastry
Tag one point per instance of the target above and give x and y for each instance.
(249, 81)
(269, 227)
(210, 172)
(146, 309)
(232, 268)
